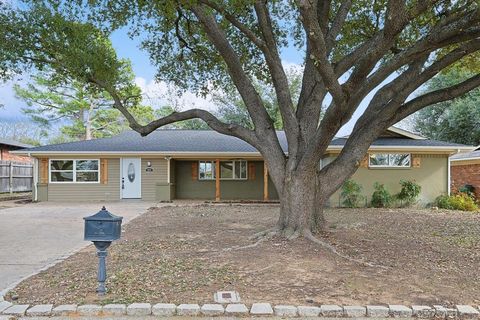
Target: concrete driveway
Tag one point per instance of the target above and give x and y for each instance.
(34, 236)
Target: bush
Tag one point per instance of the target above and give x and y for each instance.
(460, 201)
(468, 189)
(381, 198)
(351, 194)
(409, 193)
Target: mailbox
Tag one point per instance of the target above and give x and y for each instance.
(103, 226)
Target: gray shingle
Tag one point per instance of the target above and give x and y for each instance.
(468, 155)
(197, 141)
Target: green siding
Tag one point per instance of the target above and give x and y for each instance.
(187, 188)
(88, 191)
(432, 175)
(151, 178)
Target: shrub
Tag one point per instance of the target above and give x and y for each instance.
(409, 193)
(459, 201)
(381, 198)
(351, 194)
(468, 189)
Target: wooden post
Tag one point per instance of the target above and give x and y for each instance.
(217, 180)
(265, 181)
(10, 183)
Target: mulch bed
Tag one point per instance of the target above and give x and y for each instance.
(184, 254)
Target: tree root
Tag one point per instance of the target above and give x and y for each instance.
(308, 235)
(253, 245)
(265, 233)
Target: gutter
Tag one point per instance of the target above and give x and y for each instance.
(236, 154)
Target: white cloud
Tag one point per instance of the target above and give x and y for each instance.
(159, 94)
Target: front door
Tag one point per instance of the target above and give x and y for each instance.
(131, 182)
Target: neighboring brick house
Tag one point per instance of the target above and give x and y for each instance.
(465, 169)
(7, 145)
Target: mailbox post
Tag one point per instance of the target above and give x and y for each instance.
(102, 228)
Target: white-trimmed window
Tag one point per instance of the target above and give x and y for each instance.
(389, 160)
(229, 170)
(75, 171)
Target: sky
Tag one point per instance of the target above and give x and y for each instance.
(145, 73)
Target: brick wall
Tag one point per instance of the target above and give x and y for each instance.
(466, 174)
(7, 156)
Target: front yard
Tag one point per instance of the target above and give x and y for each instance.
(185, 254)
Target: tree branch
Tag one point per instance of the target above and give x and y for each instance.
(210, 119)
(235, 22)
(337, 24)
(279, 78)
(316, 42)
(437, 96)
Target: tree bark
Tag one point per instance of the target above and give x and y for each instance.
(301, 209)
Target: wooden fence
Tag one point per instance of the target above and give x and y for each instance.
(15, 176)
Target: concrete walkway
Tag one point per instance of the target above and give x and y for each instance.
(36, 235)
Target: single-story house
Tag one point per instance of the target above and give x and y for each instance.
(204, 164)
(6, 148)
(465, 168)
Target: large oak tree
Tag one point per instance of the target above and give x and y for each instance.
(351, 48)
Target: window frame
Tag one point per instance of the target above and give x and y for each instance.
(74, 171)
(213, 164)
(370, 165)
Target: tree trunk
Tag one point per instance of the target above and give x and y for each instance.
(88, 123)
(301, 208)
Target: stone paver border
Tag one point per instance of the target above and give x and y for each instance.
(462, 312)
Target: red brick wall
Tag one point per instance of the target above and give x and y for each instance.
(466, 174)
(7, 156)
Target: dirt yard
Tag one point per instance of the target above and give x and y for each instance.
(185, 254)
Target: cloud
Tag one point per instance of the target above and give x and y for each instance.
(159, 94)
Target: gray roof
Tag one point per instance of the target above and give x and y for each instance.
(14, 143)
(403, 142)
(162, 141)
(466, 155)
(175, 140)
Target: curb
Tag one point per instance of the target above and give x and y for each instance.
(464, 312)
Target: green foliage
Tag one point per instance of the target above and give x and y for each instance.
(409, 192)
(351, 194)
(193, 124)
(460, 201)
(232, 109)
(381, 197)
(468, 189)
(82, 112)
(455, 120)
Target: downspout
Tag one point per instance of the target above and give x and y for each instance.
(449, 178)
(35, 178)
(449, 173)
(168, 169)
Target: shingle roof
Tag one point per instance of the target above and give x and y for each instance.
(401, 142)
(14, 143)
(467, 155)
(199, 141)
(161, 140)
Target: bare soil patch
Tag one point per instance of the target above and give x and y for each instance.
(184, 254)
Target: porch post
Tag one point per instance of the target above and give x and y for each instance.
(217, 180)
(265, 181)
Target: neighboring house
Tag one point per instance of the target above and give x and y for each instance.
(465, 168)
(6, 146)
(196, 164)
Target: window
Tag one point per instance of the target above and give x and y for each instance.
(77, 171)
(229, 170)
(401, 160)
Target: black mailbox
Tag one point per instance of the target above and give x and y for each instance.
(103, 226)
